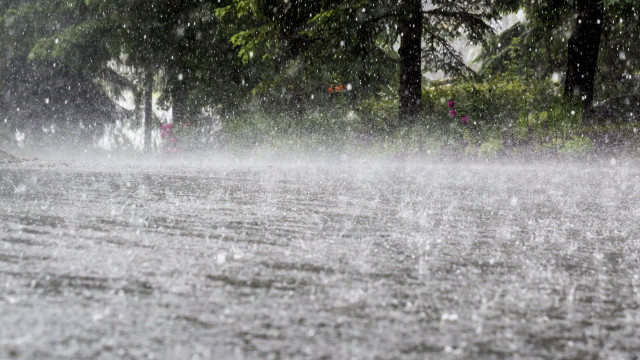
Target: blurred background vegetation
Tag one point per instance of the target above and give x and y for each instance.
(306, 74)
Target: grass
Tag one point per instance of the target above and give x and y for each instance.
(507, 118)
(345, 131)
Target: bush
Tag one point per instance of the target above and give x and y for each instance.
(490, 148)
(379, 113)
(496, 102)
(579, 146)
(332, 129)
(515, 110)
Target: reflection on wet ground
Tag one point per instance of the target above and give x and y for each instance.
(357, 260)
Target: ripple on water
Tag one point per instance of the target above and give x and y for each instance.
(404, 260)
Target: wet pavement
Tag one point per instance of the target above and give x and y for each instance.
(343, 259)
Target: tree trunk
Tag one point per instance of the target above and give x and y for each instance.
(178, 97)
(582, 53)
(410, 90)
(148, 110)
(138, 112)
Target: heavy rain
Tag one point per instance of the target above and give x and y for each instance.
(244, 179)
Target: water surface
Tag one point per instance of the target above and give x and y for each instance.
(330, 259)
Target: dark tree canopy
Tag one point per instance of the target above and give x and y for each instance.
(589, 44)
(229, 55)
(366, 33)
(582, 52)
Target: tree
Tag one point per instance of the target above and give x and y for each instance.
(181, 45)
(582, 52)
(534, 48)
(325, 29)
(410, 51)
(619, 56)
(38, 94)
(539, 48)
(148, 108)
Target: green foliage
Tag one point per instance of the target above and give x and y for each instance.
(24, 22)
(537, 48)
(618, 2)
(380, 112)
(332, 130)
(531, 53)
(349, 42)
(490, 148)
(578, 146)
(38, 88)
(298, 61)
(63, 47)
(265, 66)
(495, 104)
(182, 43)
(619, 60)
(510, 110)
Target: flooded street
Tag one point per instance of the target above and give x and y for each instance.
(331, 260)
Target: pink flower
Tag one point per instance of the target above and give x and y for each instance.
(184, 125)
(163, 134)
(453, 113)
(451, 104)
(173, 140)
(464, 120)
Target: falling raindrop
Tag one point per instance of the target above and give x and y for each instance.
(513, 201)
(20, 136)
